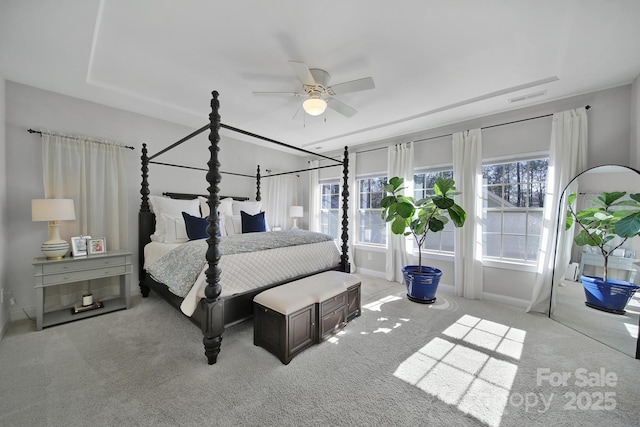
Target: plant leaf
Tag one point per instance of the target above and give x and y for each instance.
(457, 215)
(399, 225)
(629, 226)
(405, 210)
(435, 225)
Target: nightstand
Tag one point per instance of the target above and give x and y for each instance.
(50, 273)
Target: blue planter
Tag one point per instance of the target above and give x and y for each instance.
(612, 295)
(421, 287)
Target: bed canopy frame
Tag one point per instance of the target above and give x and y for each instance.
(212, 318)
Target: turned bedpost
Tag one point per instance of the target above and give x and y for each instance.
(258, 197)
(344, 257)
(146, 222)
(212, 321)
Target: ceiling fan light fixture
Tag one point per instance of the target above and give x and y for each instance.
(314, 106)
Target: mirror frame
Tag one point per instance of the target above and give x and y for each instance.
(560, 221)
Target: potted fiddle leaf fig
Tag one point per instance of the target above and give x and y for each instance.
(409, 217)
(607, 225)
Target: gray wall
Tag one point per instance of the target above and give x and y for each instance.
(29, 107)
(609, 143)
(4, 307)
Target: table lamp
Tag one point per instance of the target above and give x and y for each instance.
(295, 212)
(54, 211)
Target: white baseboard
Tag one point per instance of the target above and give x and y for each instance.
(503, 299)
(374, 273)
(22, 313)
(488, 296)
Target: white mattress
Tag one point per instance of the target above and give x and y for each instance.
(246, 271)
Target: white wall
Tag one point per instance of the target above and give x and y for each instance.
(609, 143)
(29, 107)
(4, 307)
(635, 123)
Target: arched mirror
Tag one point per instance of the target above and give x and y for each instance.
(569, 305)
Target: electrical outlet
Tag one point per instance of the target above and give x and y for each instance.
(369, 256)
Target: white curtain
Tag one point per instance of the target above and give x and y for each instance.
(567, 158)
(92, 172)
(399, 248)
(314, 196)
(467, 174)
(280, 195)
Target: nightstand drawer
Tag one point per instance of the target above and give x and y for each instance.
(77, 276)
(82, 264)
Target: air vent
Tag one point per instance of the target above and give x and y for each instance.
(529, 96)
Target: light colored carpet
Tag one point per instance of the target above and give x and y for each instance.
(457, 362)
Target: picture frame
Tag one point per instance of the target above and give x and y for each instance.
(97, 246)
(79, 246)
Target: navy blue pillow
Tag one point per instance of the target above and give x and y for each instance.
(196, 226)
(253, 223)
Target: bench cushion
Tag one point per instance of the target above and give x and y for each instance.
(293, 296)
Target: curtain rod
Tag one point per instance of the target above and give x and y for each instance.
(78, 138)
(485, 127)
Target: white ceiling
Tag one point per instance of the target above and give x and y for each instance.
(433, 62)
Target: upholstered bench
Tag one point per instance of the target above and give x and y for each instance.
(291, 317)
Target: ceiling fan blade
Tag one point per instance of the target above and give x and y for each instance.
(279, 93)
(341, 107)
(303, 73)
(352, 86)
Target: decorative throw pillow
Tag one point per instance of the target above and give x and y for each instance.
(175, 230)
(251, 208)
(173, 208)
(232, 224)
(196, 226)
(253, 223)
(224, 207)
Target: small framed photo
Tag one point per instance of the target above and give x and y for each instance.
(97, 246)
(79, 245)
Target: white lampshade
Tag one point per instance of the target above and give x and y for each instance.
(53, 210)
(296, 212)
(314, 106)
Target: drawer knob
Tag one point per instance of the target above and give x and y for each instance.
(106, 272)
(66, 277)
(66, 266)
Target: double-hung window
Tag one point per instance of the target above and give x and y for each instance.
(371, 228)
(423, 183)
(512, 213)
(330, 208)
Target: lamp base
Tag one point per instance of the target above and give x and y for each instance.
(55, 249)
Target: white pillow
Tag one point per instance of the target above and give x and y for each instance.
(172, 208)
(224, 207)
(175, 229)
(232, 224)
(252, 208)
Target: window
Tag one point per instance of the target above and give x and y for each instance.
(512, 212)
(423, 183)
(330, 208)
(371, 228)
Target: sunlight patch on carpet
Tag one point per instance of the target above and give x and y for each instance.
(470, 373)
(376, 305)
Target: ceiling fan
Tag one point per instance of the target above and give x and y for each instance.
(315, 86)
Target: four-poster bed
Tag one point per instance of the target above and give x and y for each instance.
(214, 311)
